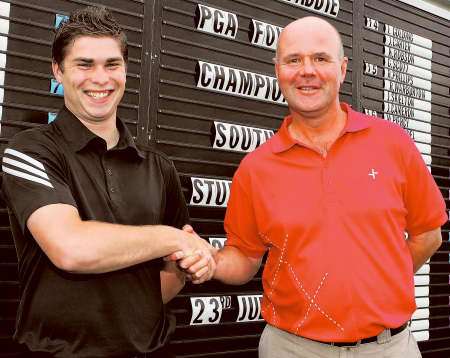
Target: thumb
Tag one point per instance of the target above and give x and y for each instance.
(188, 228)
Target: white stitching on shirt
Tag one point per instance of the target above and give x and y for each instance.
(272, 283)
(311, 303)
(311, 300)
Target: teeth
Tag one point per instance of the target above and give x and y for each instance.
(97, 94)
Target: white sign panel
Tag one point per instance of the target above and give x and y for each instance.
(419, 325)
(407, 46)
(407, 90)
(422, 302)
(325, 7)
(406, 57)
(217, 242)
(398, 77)
(215, 21)
(396, 109)
(210, 192)
(238, 82)
(249, 308)
(421, 335)
(406, 68)
(264, 35)
(421, 313)
(406, 100)
(208, 310)
(407, 36)
(409, 123)
(238, 138)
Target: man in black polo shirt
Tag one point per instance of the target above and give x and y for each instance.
(92, 214)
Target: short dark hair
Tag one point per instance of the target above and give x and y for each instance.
(89, 21)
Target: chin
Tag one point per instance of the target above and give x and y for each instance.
(309, 109)
(97, 117)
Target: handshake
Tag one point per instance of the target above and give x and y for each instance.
(196, 258)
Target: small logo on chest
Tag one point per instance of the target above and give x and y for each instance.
(373, 173)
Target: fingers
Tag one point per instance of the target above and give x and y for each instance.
(195, 256)
(199, 267)
(204, 274)
(192, 263)
(207, 275)
(177, 255)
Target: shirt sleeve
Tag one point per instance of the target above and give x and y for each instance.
(33, 177)
(176, 213)
(240, 219)
(423, 200)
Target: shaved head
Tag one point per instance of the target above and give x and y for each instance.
(299, 26)
(310, 67)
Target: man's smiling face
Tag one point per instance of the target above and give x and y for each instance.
(309, 67)
(93, 74)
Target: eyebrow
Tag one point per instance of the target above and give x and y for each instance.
(91, 61)
(83, 60)
(323, 54)
(326, 55)
(115, 59)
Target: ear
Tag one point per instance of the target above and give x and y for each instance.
(57, 72)
(343, 68)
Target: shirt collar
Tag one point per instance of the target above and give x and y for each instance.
(283, 141)
(79, 136)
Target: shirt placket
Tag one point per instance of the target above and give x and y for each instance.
(110, 178)
(328, 181)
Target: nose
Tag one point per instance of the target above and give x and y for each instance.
(100, 75)
(307, 68)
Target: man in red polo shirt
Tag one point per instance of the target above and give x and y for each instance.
(330, 198)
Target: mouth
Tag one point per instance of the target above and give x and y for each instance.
(98, 94)
(308, 88)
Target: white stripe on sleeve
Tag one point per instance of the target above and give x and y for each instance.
(25, 157)
(26, 167)
(26, 176)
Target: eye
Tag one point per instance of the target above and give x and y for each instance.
(320, 59)
(293, 61)
(84, 65)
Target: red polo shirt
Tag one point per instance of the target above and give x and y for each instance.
(338, 267)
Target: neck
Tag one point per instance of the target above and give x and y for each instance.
(106, 129)
(318, 131)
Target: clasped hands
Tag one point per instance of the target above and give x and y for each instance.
(196, 259)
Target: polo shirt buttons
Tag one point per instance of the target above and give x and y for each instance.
(112, 190)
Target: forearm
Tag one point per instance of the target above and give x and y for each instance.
(423, 246)
(172, 281)
(96, 247)
(233, 267)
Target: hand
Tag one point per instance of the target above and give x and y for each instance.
(196, 258)
(199, 267)
(190, 243)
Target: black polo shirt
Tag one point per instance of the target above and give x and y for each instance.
(89, 315)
